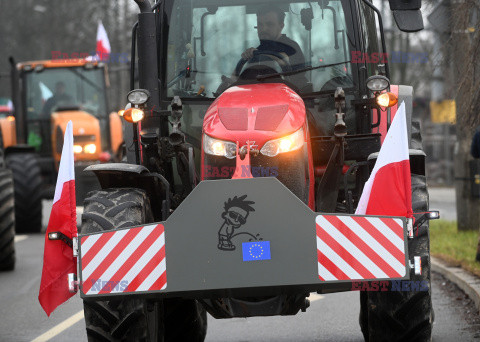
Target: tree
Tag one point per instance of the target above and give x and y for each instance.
(465, 48)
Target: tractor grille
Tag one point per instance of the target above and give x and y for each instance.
(289, 168)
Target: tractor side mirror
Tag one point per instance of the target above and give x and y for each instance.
(407, 14)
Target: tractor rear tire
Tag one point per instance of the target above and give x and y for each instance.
(7, 221)
(27, 179)
(130, 319)
(404, 315)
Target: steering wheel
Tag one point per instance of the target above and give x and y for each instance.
(257, 55)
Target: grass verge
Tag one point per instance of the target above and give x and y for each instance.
(454, 247)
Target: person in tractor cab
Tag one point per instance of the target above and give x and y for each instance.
(58, 98)
(270, 23)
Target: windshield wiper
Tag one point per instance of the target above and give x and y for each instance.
(289, 73)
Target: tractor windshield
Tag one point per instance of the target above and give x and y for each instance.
(213, 44)
(55, 88)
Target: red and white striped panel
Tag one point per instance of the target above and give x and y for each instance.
(358, 247)
(128, 260)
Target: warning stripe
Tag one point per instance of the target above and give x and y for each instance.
(145, 236)
(394, 225)
(101, 254)
(89, 253)
(347, 256)
(323, 273)
(136, 256)
(385, 261)
(347, 244)
(331, 268)
(110, 257)
(354, 247)
(121, 257)
(161, 283)
(339, 263)
(392, 231)
(147, 269)
(377, 235)
(143, 260)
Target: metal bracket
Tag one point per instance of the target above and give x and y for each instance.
(75, 246)
(416, 265)
(62, 237)
(72, 283)
(410, 228)
(426, 216)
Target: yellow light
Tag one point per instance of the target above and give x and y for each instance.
(387, 100)
(218, 148)
(90, 148)
(77, 149)
(285, 144)
(10, 118)
(288, 143)
(120, 112)
(133, 115)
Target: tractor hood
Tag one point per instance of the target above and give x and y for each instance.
(255, 112)
(86, 131)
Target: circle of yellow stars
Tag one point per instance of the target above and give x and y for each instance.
(252, 247)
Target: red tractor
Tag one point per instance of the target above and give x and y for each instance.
(252, 127)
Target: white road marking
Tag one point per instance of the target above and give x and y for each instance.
(60, 327)
(19, 238)
(315, 296)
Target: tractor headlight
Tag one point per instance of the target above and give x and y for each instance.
(90, 148)
(289, 143)
(77, 149)
(217, 147)
(138, 96)
(377, 83)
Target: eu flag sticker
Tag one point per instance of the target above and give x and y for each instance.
(258, 250)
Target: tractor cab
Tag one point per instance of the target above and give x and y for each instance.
(55, 92)
(306, 46)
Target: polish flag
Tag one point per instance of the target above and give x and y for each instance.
(103, 44)
(388, 190)
(58, 258)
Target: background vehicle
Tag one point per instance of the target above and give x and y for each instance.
(34, 139)
(320, 138)
(7, 217)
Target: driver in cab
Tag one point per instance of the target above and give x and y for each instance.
(270, 23)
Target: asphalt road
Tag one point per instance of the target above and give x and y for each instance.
(443, 199)
(332, 317)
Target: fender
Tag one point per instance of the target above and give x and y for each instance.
(122, 175)
(19, 149)
(417, 161)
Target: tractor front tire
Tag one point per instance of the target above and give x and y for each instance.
(404, 315)
(129, 319)
(27, 179)
(7, 221)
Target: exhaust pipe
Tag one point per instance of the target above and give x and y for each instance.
(144, 6)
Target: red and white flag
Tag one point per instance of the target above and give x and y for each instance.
(388, 190)
(103, 44)
(58, 259)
